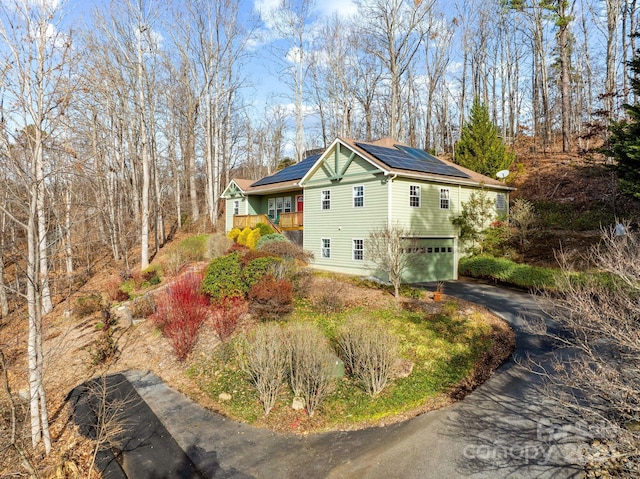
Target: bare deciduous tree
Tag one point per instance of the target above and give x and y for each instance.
(389, 250)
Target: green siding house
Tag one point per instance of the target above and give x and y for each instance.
(329, 203)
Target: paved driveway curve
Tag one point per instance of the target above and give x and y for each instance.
(501, 430)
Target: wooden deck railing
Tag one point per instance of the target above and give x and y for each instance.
(287, 221)
(292, 220)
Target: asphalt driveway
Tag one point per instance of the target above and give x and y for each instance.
(501, 430)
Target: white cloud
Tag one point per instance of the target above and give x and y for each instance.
(342, 8)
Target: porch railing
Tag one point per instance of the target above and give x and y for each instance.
(292, 220)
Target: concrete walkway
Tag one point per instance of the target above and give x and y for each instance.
(501, 430)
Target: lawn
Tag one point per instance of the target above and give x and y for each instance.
(448, 344)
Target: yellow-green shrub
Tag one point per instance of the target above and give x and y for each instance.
(242, 237)
(234, 233)
(252, 239)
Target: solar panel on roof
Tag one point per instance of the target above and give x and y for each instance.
(412, 159)
(290, 173)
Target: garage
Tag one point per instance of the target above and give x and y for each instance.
(432, 259)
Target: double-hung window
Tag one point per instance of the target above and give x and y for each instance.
(358, 249)
(358, 196)
(414, 196)
(326, 247)
(287, 204)
(271, 208)
(501, 202)
(325, 199)
(444, 198)
(236, 207)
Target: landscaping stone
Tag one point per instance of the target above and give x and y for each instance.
(298, 404)
(402, 368)
(224, 397)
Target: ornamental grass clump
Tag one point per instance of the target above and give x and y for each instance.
(369, 352)
(263, 357)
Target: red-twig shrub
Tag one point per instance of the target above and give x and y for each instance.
(270, 297)
(226, 314)
(180, 311)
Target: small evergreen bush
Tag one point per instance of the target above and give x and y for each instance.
(253, 238)
(269, 238)
(223, 277)
(234, 233)
(243, 236)
(264, 229)
(258, 268)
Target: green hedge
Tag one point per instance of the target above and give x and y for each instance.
(506, 271)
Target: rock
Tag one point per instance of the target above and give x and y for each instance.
(298, 404)
(224, 397)
(402, 368)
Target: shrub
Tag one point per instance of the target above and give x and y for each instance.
(369, 353)
(234, 233)
(180, 311)
(269, 238)
(143, 307)
(264, 229)
(263, 357)
(242, 237)
(226, 314)
(310, 364)
(252, 239)
(287, 250)
(224, 277)
(270, 297)
(194, 248)
(112, 288)
(250, 255)
(330, 299)
(506, 271)
(87, 305)
(151, 275)
(258, 268)
(105, 347)
(218, 245)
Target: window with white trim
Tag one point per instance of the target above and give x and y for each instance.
(326, 247)
(358, 249)
(444, 198)
(271, 208)
(287, 204)
(358, 196)
(278, 206)
(325, 196)
(414, 196)
(501, 202)
(236, 207)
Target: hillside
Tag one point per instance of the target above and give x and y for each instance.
(574, 197)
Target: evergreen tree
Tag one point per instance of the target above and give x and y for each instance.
(624, 141)
(480, 147)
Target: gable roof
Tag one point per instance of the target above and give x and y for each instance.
(394, 158)
(386, 154)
